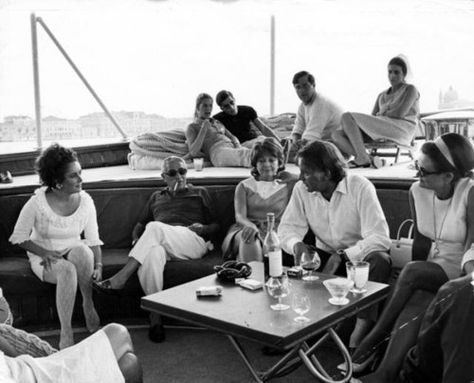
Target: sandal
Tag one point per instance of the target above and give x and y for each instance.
(353, 165)
(362, 368)
(105, 287)
(6, 177)
(377, 162)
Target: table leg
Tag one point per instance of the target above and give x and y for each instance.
(281, 368)
(315, 367)
(299, 353)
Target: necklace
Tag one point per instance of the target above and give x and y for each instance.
(437, 236)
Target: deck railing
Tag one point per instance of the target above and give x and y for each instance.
(34, 39)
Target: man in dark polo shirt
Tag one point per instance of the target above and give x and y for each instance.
(175, 224)
(242, 121)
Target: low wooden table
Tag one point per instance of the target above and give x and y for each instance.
(241, 313)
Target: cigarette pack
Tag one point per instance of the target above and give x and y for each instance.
(251, 284)
(295, 272)
(209, 291)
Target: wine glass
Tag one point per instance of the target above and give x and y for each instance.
(310, 262)
(300, 304)
(278, 287)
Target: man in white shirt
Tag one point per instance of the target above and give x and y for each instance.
(343, 212)
(317, 117)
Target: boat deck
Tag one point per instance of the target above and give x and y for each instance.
(122, 175)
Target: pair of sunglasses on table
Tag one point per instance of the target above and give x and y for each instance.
(422, 172)
(175, 172)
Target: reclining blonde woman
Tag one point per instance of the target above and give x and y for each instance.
(207, 137)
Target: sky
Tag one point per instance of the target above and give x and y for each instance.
(157, 56)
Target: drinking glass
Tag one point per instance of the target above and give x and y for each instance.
(310, 262)
(198, 164)
(358, 272)
(278, 287)
(300, 304)
(338, 288)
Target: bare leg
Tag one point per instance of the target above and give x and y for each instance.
(361, 329)
(405, 334)
(414, 276)
(118, 280)
(122, 346)
(379, 271)
(343, 143)
(131, 368)
(63, 275)
(248, 252)
(354, 135)
(83, 259)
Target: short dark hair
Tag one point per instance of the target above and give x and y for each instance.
(324, 156)
(461, 152)
(222, 96)
(270, 146)
(199, 99)
(52, 162)
(399, 62)
(303, 73)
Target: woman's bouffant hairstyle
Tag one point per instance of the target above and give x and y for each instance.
(200, 98)
(461, 151)
(52, 163)
(399, 62)
(269, 146)
(325, 157)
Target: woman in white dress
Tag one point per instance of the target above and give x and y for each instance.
(394, 117)
(107, 356)
(442, 203)
(208, 137)
(256, 196)
(49, 228)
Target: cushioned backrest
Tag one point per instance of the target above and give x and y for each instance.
(118, 210)
(10, 207)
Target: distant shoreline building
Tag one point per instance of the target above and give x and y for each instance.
(23, 128)
(449, 99)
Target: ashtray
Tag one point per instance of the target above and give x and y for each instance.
(231, 270)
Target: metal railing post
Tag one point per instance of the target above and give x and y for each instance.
(36, 83)
(78, 72)
(272, 66)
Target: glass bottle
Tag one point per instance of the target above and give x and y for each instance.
(272, 258)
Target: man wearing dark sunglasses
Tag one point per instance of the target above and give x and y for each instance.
(176, 223)
(241, 120)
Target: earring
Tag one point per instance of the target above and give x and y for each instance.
(59, 186)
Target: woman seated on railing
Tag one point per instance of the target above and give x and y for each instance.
(393, 118)
(207, 137)
(49, 228)
(442, 204)
(256, 196)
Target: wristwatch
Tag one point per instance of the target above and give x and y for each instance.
(343, 255)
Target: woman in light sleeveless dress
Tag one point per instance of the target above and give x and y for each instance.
(394, 117)
(208, 137)
(442, 203)
(255, 197)
(49, 228)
